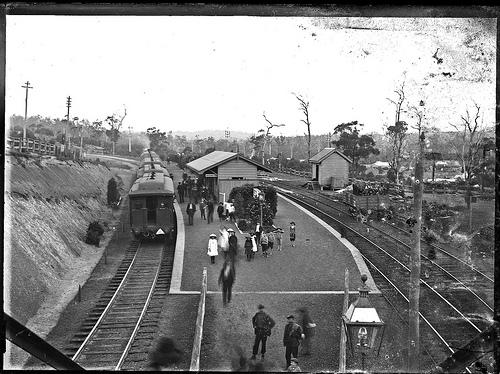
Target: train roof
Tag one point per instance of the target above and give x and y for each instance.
(153, 184)
(147, 168)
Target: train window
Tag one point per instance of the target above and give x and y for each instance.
(237, 178)
(138, 204)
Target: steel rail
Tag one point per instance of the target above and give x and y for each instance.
(403, 265)
(139, 321)
(96, 326)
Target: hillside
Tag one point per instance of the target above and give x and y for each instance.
(48, 206)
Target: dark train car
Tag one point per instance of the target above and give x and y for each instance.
(151, 206)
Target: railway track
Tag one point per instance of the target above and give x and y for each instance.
(452, 312)
(118, 332)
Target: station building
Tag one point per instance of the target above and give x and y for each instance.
(222, 171)
(330, 168)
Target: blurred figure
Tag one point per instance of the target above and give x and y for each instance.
(224, 241)
(308, 327)
(264, 243)
(254, 243)
(164, 354)
(278, 234)
(227, 277)
(210, 211)
(294, 366)
(180, 190)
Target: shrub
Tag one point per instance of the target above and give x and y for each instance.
(94, 232)
(242, 225)
(113, 194)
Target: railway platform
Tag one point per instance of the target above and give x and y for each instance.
(310, 274)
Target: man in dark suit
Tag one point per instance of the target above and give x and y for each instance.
(180, 190)
(190, 209)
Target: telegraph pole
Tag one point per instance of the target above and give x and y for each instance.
(25, 110)
(68, 105)
(415, 266)
(129, 138)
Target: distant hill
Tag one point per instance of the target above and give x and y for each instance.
(216, 134)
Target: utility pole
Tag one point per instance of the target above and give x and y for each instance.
(414, 294)
(68, 105)
(25, 111)
(129, 138)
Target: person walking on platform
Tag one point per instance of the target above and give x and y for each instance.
(227, 277)
(202, 209)
(254, 244)
(224, 241)
(262, 324)
(233, 244)
(264, 242)
(190, 209)
(258, 232)
(270, 239)
(212, 248)
(180, 191)
(279, 238)
(210, 211)
(292, 233)
(220, 212)
(291, 339)
(248, 248)
(308, 327)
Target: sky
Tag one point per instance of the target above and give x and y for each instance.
(199, 73)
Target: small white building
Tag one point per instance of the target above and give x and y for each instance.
(330, 168)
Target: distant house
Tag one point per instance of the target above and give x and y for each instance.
(222, 171)
(330, 168)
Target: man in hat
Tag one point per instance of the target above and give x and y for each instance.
(262, 324)
(291, 339)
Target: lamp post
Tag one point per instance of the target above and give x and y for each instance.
(363, 324)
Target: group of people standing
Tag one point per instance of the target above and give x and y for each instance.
(191, 188)
(294, 334)
(266, 239)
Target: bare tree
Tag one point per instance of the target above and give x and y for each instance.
(304, 106)
(468, 146)
(399, 101)
(397, 132)
(267, 134)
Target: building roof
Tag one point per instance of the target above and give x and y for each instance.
(325, 153)
(216, 158)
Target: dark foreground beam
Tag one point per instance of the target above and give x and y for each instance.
(33, 344)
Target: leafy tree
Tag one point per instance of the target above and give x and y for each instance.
(352, 144)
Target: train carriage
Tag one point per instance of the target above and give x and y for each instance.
(150, 167)
(151, 206)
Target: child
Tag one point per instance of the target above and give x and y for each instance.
(212, 248)
(264, 242)
(292, 233)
